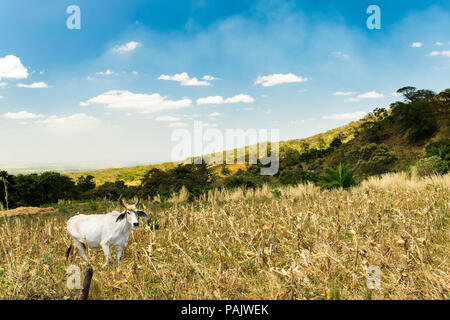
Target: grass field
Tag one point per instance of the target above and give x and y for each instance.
(291, 243)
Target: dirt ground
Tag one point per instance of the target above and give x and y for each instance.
(25, 210)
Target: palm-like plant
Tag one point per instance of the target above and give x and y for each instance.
(341, 177)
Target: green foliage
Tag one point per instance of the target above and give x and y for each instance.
(35, 190)
(412, 94)
(432, 165)
(288, 157)
(197, 178)
(370, 159)
(293, 177)
(439, 148)
(85, 183)
(341, 177)
(416, 119)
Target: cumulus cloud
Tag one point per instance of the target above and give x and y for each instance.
(346, 116)
(220, 100)
(105, 73)
(127, 47)
(416, 44)
(439, 43)
(210, 78)
(352, 99)
(185, 80)
(3, 84)
(341, 93)
(278, 78)
(370, 95)
(75, 123)
(22, 115)
(445, 53)
(33, 85)
(11, 67)
(1, 97)
(140, 102)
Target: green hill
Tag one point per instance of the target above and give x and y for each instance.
(385, 140)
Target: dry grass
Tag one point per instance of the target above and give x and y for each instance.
(25, 211)
(298, 243)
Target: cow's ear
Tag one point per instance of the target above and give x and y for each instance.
(121, 216)
(142, 214)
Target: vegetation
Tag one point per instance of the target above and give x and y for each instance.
(298, 243)
(341, 177)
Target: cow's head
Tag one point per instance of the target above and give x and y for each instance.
(131, 212)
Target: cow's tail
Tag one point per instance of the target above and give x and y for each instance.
(68, 251)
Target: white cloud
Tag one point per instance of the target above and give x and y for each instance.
(12, 67)
(141, 102)
(134, 72)
(346, 116)
(220, 100)
(167, 118)
(341, 93)
(3, 84)
(440, 53)
(178, 125)
(416, 44)
(352, 99)
(22, 115)
(397, 94)
(127, 47)
(33, 85)
(75, 123)
(210, 78)
(105, 73)
(278, 78)
(185, 80)
(370, 95)
(1, 97)
(439, 43)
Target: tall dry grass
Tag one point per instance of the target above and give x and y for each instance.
(299, 243)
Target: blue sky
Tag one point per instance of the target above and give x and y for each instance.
(112, 92)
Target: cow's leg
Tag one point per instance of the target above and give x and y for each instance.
(119, 255)
(81, 248)
(106, 250)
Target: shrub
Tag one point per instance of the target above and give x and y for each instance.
(293, 177)
(431, 165)
(370, 159)
(439, 148)
(341, 177)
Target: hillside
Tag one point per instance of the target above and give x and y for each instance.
(383, 132)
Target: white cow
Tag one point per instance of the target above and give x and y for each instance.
(103, 231)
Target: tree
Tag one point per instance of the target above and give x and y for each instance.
(86, 183)
(416, 119)
(341, 177)
(4, 177)
(412, 94)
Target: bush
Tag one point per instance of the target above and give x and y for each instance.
(439, 148)
(432, 165)
(293, 177)
(416, 119)
(341, 177)
(370, 159)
